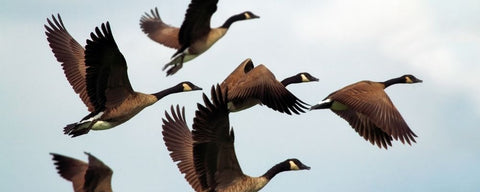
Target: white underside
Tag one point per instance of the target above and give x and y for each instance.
(99, 125)
(187, 57)
(102, 125)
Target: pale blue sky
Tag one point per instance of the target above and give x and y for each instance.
(340, 42)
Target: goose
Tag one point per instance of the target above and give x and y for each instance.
(369, 110)
(206, 155)
(93, 176)
(249, 85)
(302, 77)
(194, 36)
(98, 74)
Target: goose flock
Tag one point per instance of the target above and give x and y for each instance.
(204, 153)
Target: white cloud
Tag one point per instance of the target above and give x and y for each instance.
(404, 31)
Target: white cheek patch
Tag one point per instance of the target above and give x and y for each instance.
(304, 78)
(293, 166)
(408, 80)
(186, 87)
(247, 16)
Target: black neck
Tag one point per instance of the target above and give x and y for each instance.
(159, 95)
(394, 81)
(232, 19)
(290, 80)
(275, 170)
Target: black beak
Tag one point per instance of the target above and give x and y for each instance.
(253, 16)
(304, 167)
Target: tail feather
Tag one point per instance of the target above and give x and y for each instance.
(77, 129)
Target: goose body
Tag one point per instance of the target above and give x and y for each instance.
(98, 74)
(195, 35)
(249, 86)
(93, 176)
(206, 155)
(369, 110)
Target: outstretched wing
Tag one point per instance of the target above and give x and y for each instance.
(179, 142)
(71, 169)
(214, 153)
(98, 176)
(71, 54)
(197, 21)
(107, 79)
(375, 112)
(157, 30)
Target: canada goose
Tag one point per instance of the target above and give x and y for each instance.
(194, 36)
(302, 77)
(207, 154)
(93, 176)
(369, 110)
(249, 85)
(99, 75)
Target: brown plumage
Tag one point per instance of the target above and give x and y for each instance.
(99, 75)
(207, 154)
(369, 110)
(194, 37)
(249, 85)
(158, 31)
(93, 176)
(71, 54)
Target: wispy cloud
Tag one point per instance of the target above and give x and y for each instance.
(404, 31)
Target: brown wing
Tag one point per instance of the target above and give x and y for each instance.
(107, 79)
(157, 30)
(178, 140)
(260, 83)
(369, 99)
(365, 128)
(214, 154)
(71, 54)
(71, 169)
(98, 176)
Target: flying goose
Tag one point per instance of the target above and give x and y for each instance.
(249, 85)
(207, 154)
(93, 176)
(194, 36)
(369, 110)
(99, 75)
(302, 77)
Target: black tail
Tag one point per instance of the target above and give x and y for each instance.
(76, 129)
